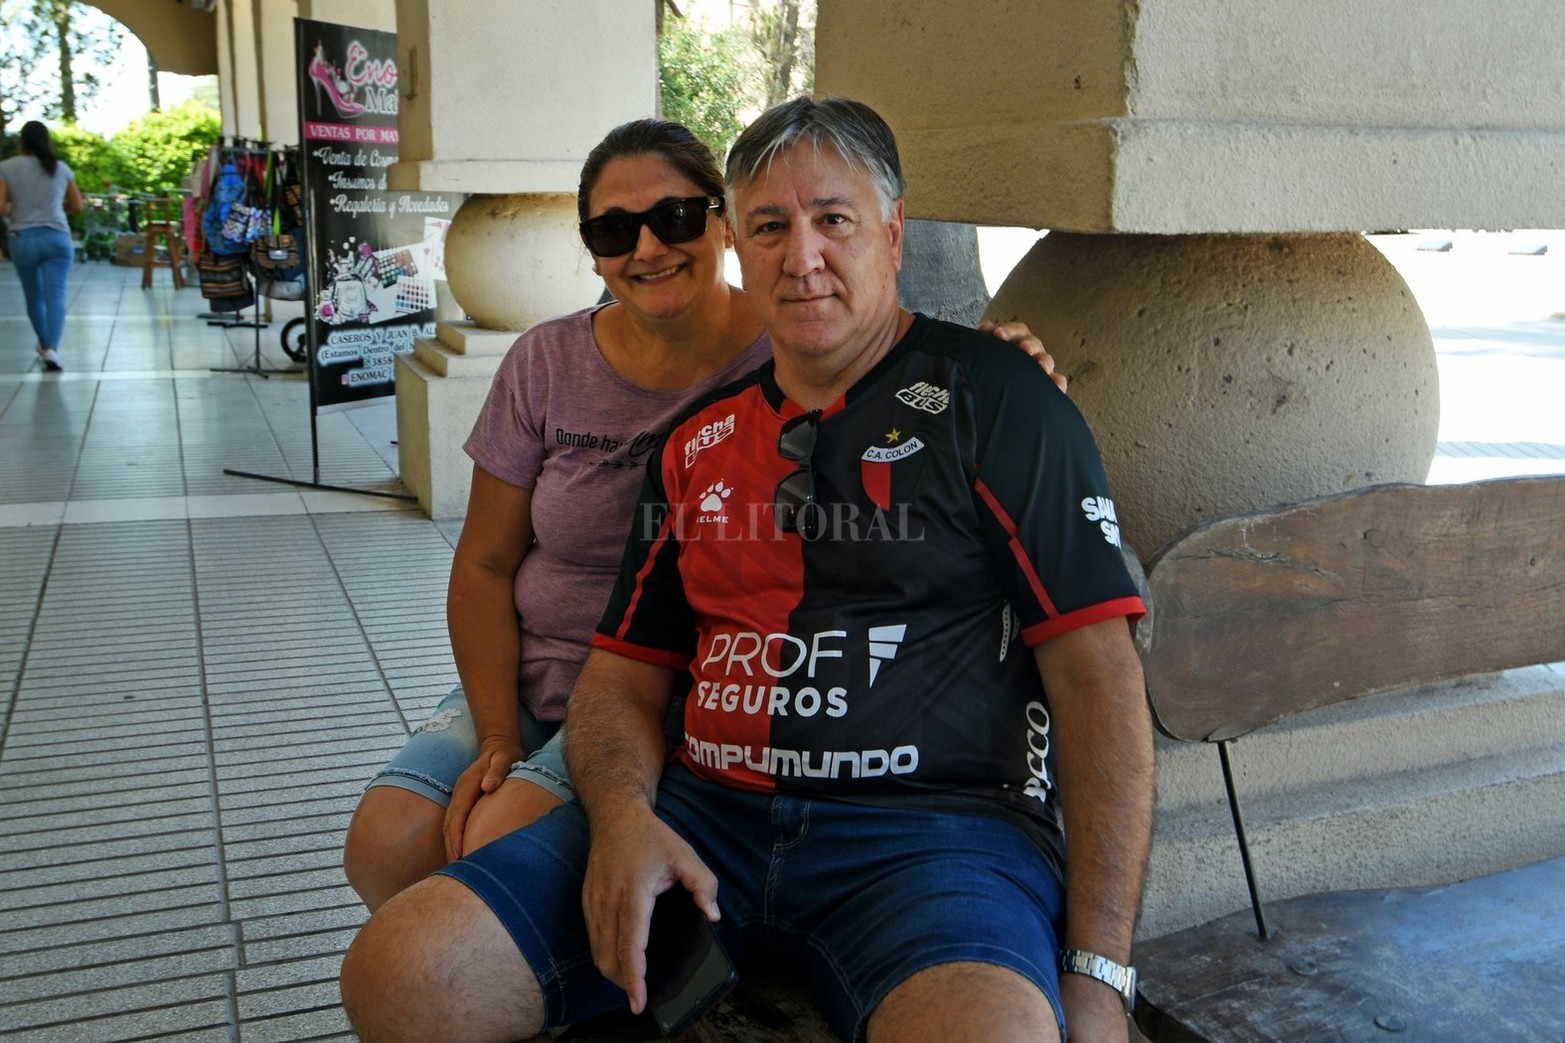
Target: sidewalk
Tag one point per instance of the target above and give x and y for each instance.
(1498, 319)
(198, 671)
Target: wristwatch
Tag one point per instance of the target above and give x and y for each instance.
(1116, 976)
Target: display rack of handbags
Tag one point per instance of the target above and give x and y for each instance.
(231, 206)
(253, 228)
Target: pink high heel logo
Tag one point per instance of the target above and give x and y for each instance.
(372, 79)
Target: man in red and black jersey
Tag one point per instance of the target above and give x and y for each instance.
(916, 756)
(851, 553)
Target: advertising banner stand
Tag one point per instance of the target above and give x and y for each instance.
(373, 258)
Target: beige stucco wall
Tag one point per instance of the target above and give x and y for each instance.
(244, 70)
(1436, 63)
(180, 38)
(1176, 116)
(512, 99)
(278, 66)
(998, 117)
(361, 14)
(226, 88)
(256, 60)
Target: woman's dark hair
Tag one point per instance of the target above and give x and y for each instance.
(673, 141)
(35, 139)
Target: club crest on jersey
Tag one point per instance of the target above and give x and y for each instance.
(708, 436)
(875, 466)
(925, 396)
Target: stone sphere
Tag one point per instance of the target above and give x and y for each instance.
(1226, 373)
(515, 259)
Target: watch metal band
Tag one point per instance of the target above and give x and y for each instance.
(1116, 976)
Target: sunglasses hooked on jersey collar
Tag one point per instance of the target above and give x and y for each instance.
(793, 500)
(674, 221)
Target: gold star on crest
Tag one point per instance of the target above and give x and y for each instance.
(893, 435)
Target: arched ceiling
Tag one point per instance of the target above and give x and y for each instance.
(181, 35)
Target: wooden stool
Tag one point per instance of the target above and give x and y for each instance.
(163, 220)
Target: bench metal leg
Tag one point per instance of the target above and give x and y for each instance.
(1244, 843)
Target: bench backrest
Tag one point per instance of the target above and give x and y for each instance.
(1264, 615)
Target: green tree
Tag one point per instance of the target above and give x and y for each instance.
(703, 80)
(81, 39)
(91, 157)
(207, 94)
(783, 39)
(48, 51)
(22, 90)
(158, 151)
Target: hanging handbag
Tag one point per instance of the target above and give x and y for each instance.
(278, 255)
(279, 265)
(290, 191)
(249, 218)
(259, 225)
(236, 226)
(222, 275)
(280, 289)
(277, 252)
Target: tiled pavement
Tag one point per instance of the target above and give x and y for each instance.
(198, 671)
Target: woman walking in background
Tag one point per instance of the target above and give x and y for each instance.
(39, 190)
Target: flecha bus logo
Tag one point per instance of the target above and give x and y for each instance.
(708, 436)
(931, 398)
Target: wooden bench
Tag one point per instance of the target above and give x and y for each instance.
(1261, 617)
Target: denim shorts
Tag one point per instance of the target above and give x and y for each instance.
(862, 897)
(443, 747)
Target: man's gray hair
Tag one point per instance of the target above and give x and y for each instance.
(853, 129)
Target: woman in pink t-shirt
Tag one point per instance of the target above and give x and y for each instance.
(558, 455)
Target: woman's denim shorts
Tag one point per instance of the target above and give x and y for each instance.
(442, 748)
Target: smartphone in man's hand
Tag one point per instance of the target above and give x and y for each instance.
(687, 970)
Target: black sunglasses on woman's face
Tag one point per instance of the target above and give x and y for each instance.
(673, 221)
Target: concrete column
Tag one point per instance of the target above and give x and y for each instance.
(244, 70)
(1206, 168)
(1207, 146)
(277, 65)
(503, 101)
(226, 91)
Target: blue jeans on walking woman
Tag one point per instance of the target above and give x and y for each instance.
(43, 260)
